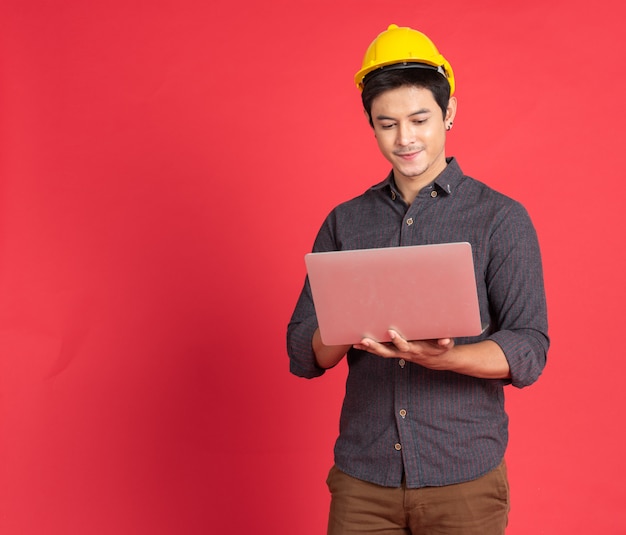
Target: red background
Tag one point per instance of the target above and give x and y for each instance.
(165, 166)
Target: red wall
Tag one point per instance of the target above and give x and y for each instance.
(164, 168)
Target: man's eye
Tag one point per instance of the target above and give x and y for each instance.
(386, 126)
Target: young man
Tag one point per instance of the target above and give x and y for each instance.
(423, 429)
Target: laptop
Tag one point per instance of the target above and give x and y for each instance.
(422, 292)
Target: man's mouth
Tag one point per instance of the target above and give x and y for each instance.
(407, 155)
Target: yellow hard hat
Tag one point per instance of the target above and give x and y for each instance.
(404, 47)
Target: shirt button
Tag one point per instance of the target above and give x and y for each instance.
(398, 446)
(403, 413)
(402, 362)
(433, 193)
(409, 221)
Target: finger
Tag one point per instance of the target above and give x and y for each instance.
(398, 341)
(446, 343)
(371, 346)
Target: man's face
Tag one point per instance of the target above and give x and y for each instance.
(411, 134)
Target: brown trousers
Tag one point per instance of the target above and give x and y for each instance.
(478, 507)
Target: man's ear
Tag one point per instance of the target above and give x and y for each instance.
(451, 110)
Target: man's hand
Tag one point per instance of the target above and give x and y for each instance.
(431, 354)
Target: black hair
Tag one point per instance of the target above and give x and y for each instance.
(377, 82)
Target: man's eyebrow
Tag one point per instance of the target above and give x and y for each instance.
(421, 111)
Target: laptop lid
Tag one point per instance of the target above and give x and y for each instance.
(421, 291)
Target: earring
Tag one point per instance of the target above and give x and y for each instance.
(449, 126)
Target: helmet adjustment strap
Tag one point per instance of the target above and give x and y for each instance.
(401, 66)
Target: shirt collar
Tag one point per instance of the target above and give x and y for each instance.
(447, 181)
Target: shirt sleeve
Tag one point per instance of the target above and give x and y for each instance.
(300, 331)
(517, 296)
(303, 322)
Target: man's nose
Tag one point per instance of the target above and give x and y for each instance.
(405, 135)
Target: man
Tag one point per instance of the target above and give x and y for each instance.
(423, 429)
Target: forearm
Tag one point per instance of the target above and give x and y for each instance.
(485, 360)
(327, 356)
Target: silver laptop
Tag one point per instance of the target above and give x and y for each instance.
(423, 292)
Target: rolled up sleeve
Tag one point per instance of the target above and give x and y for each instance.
(300, 335)
(303, 321)
(517, 296)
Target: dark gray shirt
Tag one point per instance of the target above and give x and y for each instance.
(401, 419)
